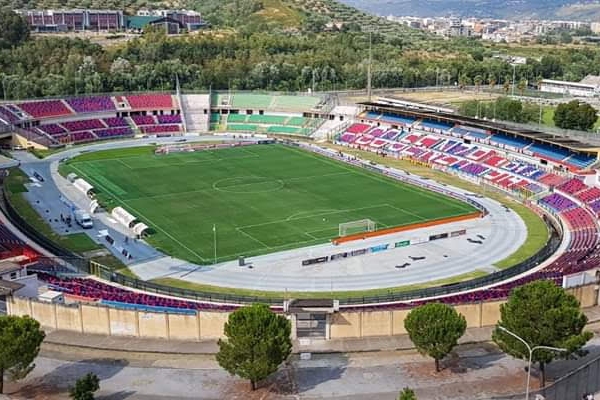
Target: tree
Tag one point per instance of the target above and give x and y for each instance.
(575, 115)
(521, 86)
(506, 84)
(434, 329)
(478, 80)
(258, 341)
(20, 340)
(14, 30)
(543, 314)
(407, 394)
(85, 387)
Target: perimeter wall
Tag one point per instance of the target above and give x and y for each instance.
(103, 320)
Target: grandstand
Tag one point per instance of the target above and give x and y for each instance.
(538, 146)
(266, 114)
(53, 123)
(273, 124)
(529, 165)
(251, 101)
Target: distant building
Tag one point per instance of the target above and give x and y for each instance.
(73, 20)
(110, 20)
(458, 29)
(190, 20)
(588, 87)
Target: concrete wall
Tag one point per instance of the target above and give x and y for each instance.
(102, 320)
(98, 319)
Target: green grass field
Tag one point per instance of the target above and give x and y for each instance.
(260, 198)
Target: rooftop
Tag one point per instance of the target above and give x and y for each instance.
(8, 287)
(7, 267)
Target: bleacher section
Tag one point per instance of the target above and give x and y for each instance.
(99, 291)
(151, 102)
(46, 108)
(57, 122)
(466, 159)
(548, 152)
(265, 102)
(195, 109)
(91, 104)
(275, 124)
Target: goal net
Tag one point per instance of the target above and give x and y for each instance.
(353, 227)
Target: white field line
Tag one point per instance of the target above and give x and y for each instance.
(149, 220)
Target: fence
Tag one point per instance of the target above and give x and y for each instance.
(63, 255)
(583, 380)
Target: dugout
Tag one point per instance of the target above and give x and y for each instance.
(83, 186)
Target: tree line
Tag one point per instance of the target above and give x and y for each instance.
(59, 66)
(572, 115)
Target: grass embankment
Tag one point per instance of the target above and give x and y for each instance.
(78, 242)
(315, 295)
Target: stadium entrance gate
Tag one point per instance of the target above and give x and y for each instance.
(311, 318)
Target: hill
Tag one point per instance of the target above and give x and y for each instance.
(511, 9)
(301, 15)
(244, 15)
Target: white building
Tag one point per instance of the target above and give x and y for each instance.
(14, 276)
(570, 88)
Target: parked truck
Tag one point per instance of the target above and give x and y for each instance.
(83, 219)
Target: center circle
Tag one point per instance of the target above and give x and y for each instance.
(248, 184)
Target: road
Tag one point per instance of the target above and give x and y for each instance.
(472, 372)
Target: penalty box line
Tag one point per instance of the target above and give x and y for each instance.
(314, 215)
(307, 233)
(148, 219)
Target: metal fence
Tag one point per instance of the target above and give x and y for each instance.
(496, 277)
(13, 216)
(581, 381)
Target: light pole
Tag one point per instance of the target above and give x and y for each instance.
(531, 350)
(513, 82)
(215, 241)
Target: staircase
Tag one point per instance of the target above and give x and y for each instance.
(193, 109)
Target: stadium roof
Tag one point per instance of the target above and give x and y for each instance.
(567, 83)
(544, 137)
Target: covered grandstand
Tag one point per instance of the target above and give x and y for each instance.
(562, 151)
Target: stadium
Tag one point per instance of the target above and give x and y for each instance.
(341, 215)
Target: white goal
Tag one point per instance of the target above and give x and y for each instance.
(353, 227)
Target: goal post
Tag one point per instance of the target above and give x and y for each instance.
(354, 227)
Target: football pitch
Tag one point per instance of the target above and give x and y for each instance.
(260, 199)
